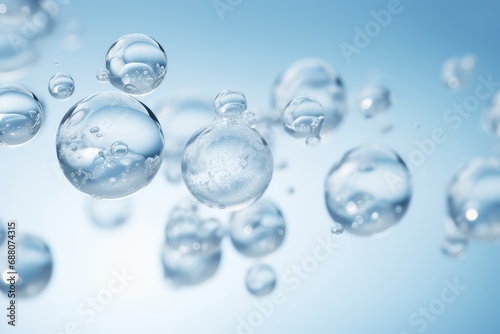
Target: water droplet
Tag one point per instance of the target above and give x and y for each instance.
(61, 86)
(129, 57)
(260, 280)
(368, 201)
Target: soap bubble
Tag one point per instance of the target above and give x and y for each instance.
(456, 72)
(109, 214)
(454, 246)
(474, 199)
(136, 63)
(368, 191)
(21, 115)
(316, 79)
(260, 280)
(180, 118)
(258, 230)
(303, 118)
(61, 86)
(109, 145)
(188, 232)
(227, 164)
(491, 116)
(190, 268)
(33, 265)
(373, 100)
(102, 75)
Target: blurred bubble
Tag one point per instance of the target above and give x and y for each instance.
(137, 64)
(33, 265)
(109, 214)
(187, 232)
(457, 71)
(258, 230)
(61, 86)
(474, 199)
(491, 116)
(260, 280)
(315, 79)
(337, 229)
(303, 118)
(180, 118)
(109, 145)
(290, 190)
(227, 164)
(373, 100)
(454, 246)
(73, 29)
(102, 75)
(368, 191)
(21, 115)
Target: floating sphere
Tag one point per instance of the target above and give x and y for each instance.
(373, 100)
(303, 118)
(61, 86)
(260, 280)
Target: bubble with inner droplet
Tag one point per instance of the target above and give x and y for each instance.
(302, 118)
(258, 230)
(61, 86)
(369, 190)
(260, 280)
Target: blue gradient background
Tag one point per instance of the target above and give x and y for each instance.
(368, 285)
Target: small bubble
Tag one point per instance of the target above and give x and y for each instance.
(337, 229)
(94, 129)
(61, 86)
(119, 149)
(102, 75)
(290, 190)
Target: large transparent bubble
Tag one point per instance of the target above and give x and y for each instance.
(227, 164)
(368, 191)
(21, 115)
(474, 199)
(312, 78)
(109, 145)
(136, 63)
(33, 265)
(258, 230)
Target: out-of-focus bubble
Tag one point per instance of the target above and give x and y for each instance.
(337, 229)
(33, 265)
(474, 199)
(72, 34)
(260, 280)
(303, 118)
(368, 191)
(102, 75)
(61, 86)
(290, 190)
(180, 118)
(373, 100)
(137, 64)
(454, 246)
(109, 145)
(456, 72)
(227, 164)
(386, 128)
(189, 268)
(188, 233)
(491, 116)
(109, 214)
(21, 115)
(258, 230)
(316, 79)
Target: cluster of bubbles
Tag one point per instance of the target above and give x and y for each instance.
(34, 265)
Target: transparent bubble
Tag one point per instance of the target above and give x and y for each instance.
(33, 265)
(491, 116)
(454, 246)
(337, 229)
(230, 103)
(137, 64)
(373, 100)
(180, 118)
(456, 72)
(190, 268)
(102, 75)
(260, 280)
(61, 86)
(315, 79)
(109, 145)
(227, 164)
(109, 214)
(303, 118)
(21, 115)
(369, 190)
(474, 199)
(188, 232)
(258, 230)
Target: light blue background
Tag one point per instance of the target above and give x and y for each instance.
(366, 285)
